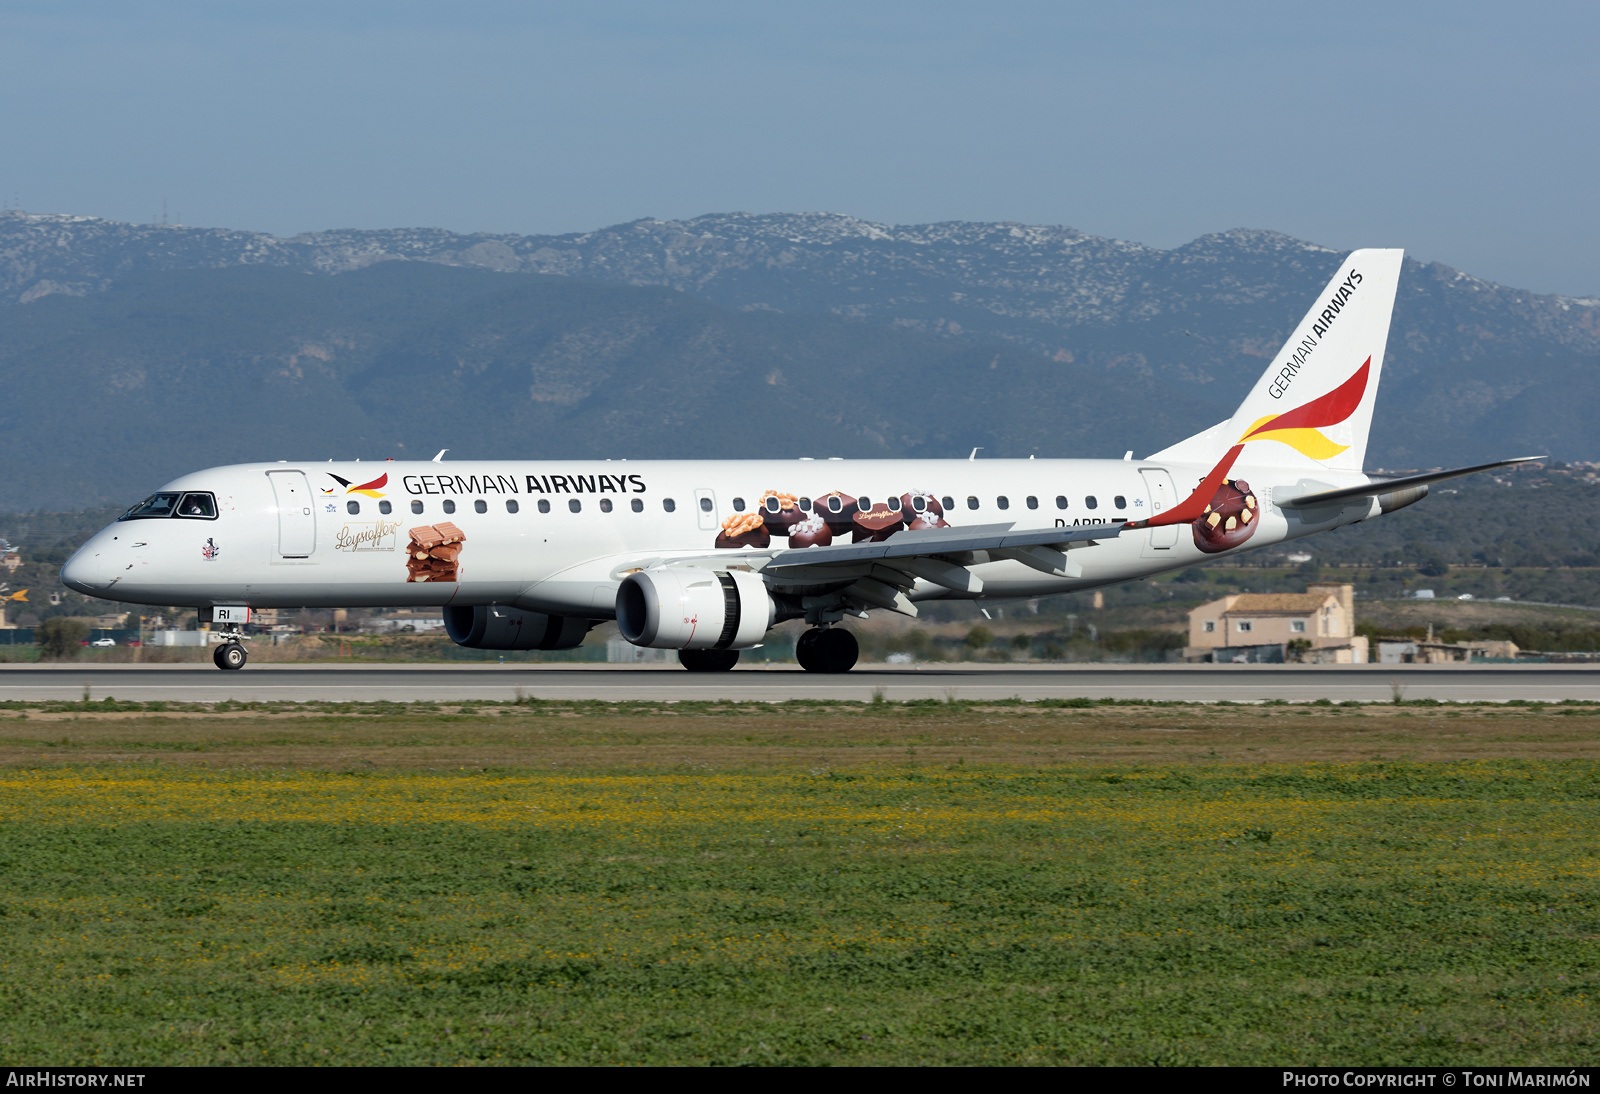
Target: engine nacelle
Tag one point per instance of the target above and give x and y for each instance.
(1399, 499)
(499, 628)
(680, 609)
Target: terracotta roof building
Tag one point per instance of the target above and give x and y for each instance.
(1319, 622)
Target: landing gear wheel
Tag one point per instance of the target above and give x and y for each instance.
(805, 650)
(230, 655)
(708, 660)
(827, 649)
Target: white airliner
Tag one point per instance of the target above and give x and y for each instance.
(705, 556)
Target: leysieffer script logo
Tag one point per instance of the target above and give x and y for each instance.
(377, 535)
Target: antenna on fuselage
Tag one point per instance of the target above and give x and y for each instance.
(440, 457)
(975, 452)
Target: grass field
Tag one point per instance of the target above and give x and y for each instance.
(801, 883)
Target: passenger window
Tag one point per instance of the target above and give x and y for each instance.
(738, 505)
(575, 505)
(544, 506)
(636, 505)
(385, 508)
(668, 504)
(449, 506)
(894, 504)
(834, 504)
(948, 502)
(480, 506)
(199, 506)
(352, 507)
(1061, 501)
(919, 503)
(1090, 502)
(773, 505)
(863, 504)
(805, 505)
(156, 505)
(705, 505)
(512, 506)
(1002, 502)
(416, 507)
(1033, 502)
(972, 503)
(605, 505)
(1120, 502)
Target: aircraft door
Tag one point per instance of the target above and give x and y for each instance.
(297, 520)
(705, 509)
(1163, 496)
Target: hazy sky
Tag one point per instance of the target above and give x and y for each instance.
(1464, 132)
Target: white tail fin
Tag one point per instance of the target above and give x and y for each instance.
(1313, 406)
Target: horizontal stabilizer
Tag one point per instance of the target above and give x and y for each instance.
(1385, 486)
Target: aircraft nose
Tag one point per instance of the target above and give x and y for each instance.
(84, 571)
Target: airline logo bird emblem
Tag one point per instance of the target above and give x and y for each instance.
(370, 489)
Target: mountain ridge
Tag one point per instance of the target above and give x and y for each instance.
(1475, 370)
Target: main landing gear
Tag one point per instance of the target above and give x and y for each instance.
(827, 649)
(230, 655)
(821, 649)
(708, 660)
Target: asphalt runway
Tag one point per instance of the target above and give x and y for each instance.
(1203, 683)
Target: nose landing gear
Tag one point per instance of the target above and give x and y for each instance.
(230, 655)
(827, 649)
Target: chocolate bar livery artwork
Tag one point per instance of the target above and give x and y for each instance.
(818, 522)
(1229, 520)
(434, 553)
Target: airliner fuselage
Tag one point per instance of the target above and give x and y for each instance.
(558, 537)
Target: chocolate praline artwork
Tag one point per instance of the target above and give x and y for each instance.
(838, 518)
(779, 511)
(813, 531)
(922, 511)
(743, 530)
(879, 522)
(1229, 519)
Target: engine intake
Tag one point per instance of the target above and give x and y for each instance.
(681, 609)
(498, 628)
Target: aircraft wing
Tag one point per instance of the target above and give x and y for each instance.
(881, 574)
(1385, 486)
(941, 541)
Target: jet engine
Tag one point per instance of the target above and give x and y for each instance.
(1399, 499)
(682, 609)
(498, 628)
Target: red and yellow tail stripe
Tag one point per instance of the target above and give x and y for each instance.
(1301, 428)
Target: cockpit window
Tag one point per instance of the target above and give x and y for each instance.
(156, 505)
(194, 505)
(198, 506)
